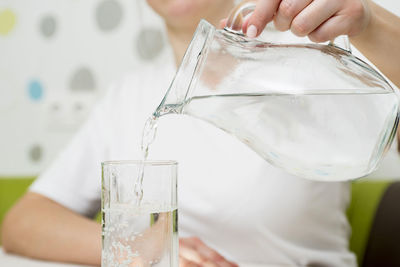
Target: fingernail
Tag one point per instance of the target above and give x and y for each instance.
(251, 31)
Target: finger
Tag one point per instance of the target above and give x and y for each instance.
(209, 264)
(190, 254)
(331, 29)
(208, 253)
(222, 23)
(264, 13)
(227, 264)
(193, 256)
(315, 14)
(204, 250)
(186, 242)
(192, 242)
(287, 10)
(186, 263)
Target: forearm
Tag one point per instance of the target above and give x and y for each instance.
(40, 228)
(380, 42)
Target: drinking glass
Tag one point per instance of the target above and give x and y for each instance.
(139, 231)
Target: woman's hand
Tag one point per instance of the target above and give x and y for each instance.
(320, 20)
(193, 252)
(373, 30)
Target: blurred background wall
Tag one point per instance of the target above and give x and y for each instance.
(57, 57)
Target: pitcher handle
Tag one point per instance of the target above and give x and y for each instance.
(244, 10)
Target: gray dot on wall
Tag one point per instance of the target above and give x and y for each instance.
(35, 153)
(82, 80)
(55, 107)
(48, 26)
(149, 43)
(78, 107)
(108, 15)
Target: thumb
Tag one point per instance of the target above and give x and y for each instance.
(222, 23)
(264, 13)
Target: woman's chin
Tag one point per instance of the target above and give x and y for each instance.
(183, 8)
(187, 13)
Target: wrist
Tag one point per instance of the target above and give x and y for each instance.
(369, 30)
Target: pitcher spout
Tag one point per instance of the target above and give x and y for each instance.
(181, 88)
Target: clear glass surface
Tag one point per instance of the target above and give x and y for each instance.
(314, 110)
(143, 233)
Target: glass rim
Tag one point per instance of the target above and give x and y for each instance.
(137, 162)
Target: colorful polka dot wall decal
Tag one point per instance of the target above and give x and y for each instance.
(149, 43)
(82, 80)
(108, 15)
(35, 90)
(8, 19)
(48, 26)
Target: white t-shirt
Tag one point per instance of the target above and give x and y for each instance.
(228, 196)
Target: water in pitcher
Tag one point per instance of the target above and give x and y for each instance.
(326, 137)
(313, 110)
(150, 244)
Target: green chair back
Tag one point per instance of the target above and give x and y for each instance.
(365, 198)
(11, 189)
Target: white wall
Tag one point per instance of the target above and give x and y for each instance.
(391, 5)
(56, 59)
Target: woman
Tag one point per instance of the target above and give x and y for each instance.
(241, 207)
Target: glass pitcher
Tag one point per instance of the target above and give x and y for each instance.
(314, 110)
